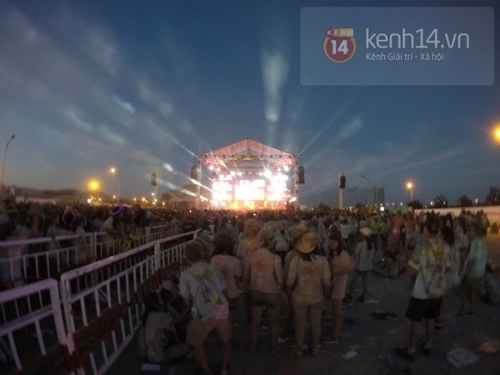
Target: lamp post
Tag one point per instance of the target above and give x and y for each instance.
(409, 185)
(94, 185)
(369, 186)
(114, 171)
(3, 164)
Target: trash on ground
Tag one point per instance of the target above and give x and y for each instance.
(373, 301)
(349, 355)
(382, 315)
(490, 346)
(460, 357)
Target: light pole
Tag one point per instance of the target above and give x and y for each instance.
(114, 171)
(3, 164)
(369, 186)
(409, 185)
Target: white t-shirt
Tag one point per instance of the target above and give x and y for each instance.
(430, 256)
(151, 336)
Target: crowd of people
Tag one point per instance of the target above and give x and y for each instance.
(245, 264)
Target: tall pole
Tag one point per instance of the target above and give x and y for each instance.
(3, 164)
(115, 172)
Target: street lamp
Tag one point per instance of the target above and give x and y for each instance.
(3, 164)
(409, 186)
(496, 134)
(94, 186)
(369, 186)
(114, 171)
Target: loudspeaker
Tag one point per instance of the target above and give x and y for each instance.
(300, 176)
(194, 172)
(342, 182)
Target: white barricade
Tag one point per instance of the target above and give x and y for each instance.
(32, 334)
(41, 258)
(107, 303)
(101, 309)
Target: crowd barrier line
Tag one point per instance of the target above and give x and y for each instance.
(28, 260)
(98, 306)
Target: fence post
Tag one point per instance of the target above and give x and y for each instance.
(157, 256)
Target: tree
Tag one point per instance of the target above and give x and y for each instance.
(464, 201)
(416, 204)
(493, 196)
(440, 201)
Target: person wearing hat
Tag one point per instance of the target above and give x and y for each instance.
(341, 264)
(263, 273)
(296, 232)
(363, 254)
(308, 281)
(251, 242)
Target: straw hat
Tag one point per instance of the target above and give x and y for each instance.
(366, 231)
(307, 242)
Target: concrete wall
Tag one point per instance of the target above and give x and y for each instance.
(492, 212)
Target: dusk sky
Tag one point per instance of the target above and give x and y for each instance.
(144, 85)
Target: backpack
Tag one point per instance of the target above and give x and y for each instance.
(210, 303)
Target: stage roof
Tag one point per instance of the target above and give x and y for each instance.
(248, 156)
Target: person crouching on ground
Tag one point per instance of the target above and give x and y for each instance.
(158, 340)
(202, 286)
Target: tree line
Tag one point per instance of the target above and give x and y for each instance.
(492, 199)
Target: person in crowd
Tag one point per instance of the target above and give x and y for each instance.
(296, 233)
(452, 277)
(230, 266)
(202, 286)
(308, 282)
(363, 264)
(282, 240)
(251, 241)
(158, 340)
(263, 272)
(341, 264)
(474, 269)
(174, 304)
(428, 261)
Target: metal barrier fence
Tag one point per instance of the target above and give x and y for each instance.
(41, 258)
(24, 261)
(102, 301)
(32, 334)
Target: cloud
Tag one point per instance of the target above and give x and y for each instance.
(123, 105)
(74, 114)
(349, 129)
(155, 99)
(111, 136)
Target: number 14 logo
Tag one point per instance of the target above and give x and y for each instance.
(339, 44)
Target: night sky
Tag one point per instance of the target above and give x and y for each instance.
(144, 85)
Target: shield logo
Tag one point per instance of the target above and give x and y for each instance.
(339, 44)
